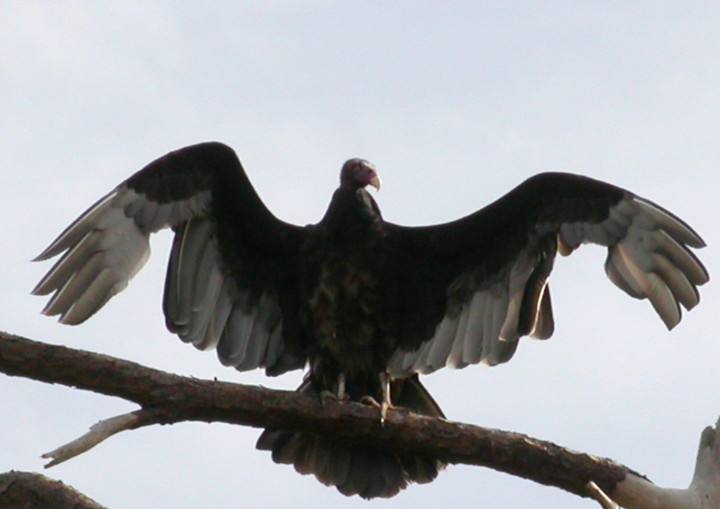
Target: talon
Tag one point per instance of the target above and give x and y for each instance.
(341, 395)
(369, 400)
(384, 407)
(386, 400)
(326, 396)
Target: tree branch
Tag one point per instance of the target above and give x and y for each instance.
(165, 398)
(35, 491)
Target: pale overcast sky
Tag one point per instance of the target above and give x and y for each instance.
(455, 103)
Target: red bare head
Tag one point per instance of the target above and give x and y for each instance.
(357, 173)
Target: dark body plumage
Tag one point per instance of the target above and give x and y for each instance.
(342, 270)
(359, 300)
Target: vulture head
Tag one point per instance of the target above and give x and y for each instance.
(358, 173)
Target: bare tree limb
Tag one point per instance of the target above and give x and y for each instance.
(165, 398)
(99, 432)
(34, 491)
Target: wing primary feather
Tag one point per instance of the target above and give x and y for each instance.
(78, 228)
(653, 287)
(675, 226)
(619, 273)
(678, 283)
(98, 253)
(75, 286)
(65, 267)
(94, 296)
(680, 256)
(663, 301)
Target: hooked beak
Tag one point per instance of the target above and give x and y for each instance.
(375, 182)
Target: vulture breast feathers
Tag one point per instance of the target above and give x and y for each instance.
(366, 304)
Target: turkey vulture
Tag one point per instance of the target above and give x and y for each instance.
(366, 304)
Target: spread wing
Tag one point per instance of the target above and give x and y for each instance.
(471, 288)
(230, 280)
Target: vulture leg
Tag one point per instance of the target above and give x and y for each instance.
(340, 394)
(386, 403)
(386, 400)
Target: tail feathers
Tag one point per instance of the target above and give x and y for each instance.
(367, 472)
(356, 469)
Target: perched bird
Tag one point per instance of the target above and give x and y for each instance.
(364, 303)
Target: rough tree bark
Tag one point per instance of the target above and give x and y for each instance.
(34, 491)
(165, 399)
